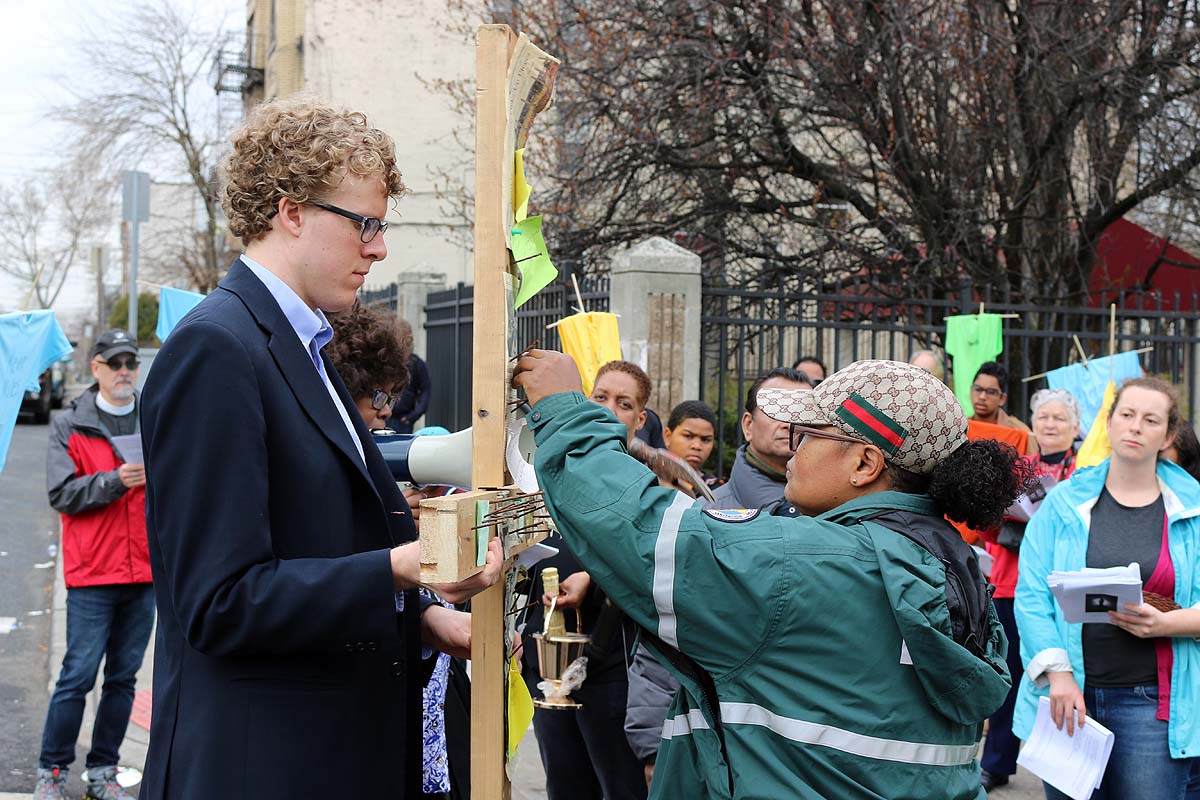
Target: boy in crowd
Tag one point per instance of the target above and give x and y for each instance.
(691, 433)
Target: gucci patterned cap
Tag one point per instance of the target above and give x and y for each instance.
(903, 410)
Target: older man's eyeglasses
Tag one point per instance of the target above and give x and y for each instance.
(796, 434)
(128, 362)
(368, 227)
(381, 400)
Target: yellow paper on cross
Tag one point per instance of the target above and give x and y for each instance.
(1097, 447)
(592, 339)
(521, 189)
(520, 707)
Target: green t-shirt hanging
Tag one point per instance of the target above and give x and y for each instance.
(972, 339)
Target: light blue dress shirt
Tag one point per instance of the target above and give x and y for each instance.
(314, 332)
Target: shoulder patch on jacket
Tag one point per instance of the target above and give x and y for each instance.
(732, 514)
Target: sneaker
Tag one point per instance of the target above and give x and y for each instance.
(51, 784)
(102, 785)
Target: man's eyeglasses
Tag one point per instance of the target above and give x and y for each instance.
(990, 392)
(381, 400)
(128, 362)
(368, 227)
(796, 434)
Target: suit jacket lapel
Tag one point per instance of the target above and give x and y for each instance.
(297, 368)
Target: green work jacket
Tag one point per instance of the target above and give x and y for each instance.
(828, 638)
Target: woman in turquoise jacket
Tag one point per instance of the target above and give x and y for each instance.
(1140, 676)
(850, 653)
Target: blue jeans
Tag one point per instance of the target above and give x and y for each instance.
(113, 622)
(1140, 767)
(1002, 745)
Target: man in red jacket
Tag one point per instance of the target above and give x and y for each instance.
(106, 563)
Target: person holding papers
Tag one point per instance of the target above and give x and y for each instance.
(1140, 675)
(101, 496)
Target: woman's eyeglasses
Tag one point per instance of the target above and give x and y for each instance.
(381, 400)
(368, 227)
(796, 434)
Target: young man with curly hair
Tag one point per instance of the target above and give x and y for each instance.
(289, 660)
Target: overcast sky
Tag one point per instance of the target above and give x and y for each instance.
(36, 41)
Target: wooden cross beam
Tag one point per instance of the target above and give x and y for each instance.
(455, 529)
(489, 397)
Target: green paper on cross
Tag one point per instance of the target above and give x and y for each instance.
(533, 261)
(482, 509)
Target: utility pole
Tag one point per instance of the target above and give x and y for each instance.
(98, 268)
(135, 209)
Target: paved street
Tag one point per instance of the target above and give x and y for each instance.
(28, 529)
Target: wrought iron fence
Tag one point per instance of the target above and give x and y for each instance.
(385, 297)
(448, 327)
(745, 333)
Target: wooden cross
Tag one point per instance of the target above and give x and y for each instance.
(455, 528)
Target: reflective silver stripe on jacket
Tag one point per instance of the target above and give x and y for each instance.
(797, 730)
(664, 569)
(684, 724)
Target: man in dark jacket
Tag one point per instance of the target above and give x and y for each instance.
(757, 478)
(288, 661)
(110, 602)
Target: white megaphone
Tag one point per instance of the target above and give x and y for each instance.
(443, 460)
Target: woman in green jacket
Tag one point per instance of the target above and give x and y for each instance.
(851, 653)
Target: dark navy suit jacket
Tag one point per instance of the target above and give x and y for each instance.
(281, 668)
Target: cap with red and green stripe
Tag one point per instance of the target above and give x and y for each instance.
(903, 410)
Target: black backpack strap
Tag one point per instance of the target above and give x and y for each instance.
(689, 667)
(968, 595)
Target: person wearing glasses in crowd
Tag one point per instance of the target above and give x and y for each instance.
(870, 590)
(989, 393)
(106, 566)
(289, 655)
(370, 354)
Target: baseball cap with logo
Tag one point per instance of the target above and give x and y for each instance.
(903, 410)
(110, 343)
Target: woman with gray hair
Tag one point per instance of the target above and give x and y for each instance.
(1055, 427)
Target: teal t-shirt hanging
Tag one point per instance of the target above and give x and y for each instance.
(972, 339)
(30, 341)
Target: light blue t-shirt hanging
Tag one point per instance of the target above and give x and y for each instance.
(173, 306)
(1087, 384)
(30, 341)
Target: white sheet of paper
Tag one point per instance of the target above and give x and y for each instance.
(535, 553)
(1087, 595)
(518, 455)
(1072, 764)
(129, 447)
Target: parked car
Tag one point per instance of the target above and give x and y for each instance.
(52, 389)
